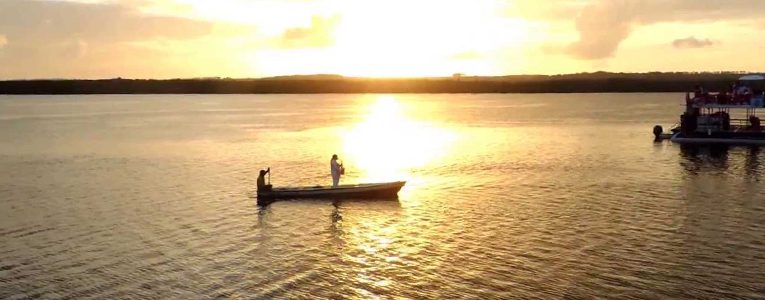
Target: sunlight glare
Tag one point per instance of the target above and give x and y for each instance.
(387, 143)
(403, 38)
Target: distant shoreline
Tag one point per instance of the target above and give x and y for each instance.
(599, 82)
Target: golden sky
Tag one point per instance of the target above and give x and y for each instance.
(402, 38)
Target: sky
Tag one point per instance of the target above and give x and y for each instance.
(374, 38)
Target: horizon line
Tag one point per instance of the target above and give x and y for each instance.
(340, 76)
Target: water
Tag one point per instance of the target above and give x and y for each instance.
(508, 196)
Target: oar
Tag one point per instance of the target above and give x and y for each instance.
(269, 175)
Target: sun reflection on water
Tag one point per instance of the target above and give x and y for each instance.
(389, 143)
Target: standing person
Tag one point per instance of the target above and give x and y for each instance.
(734, 92)
(262, 186)
(337, 170)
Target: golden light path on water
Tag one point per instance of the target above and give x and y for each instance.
(390, 142)
(507, 196)
(394, 138)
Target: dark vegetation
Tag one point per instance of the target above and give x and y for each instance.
(599, 82)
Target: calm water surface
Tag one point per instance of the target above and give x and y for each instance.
(508, 196)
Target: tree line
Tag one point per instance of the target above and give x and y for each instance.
(598, 82)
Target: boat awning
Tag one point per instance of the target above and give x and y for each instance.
(752, 77)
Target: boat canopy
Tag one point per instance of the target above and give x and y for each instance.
(752, 77)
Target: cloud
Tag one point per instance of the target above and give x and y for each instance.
(603, 24)
(602, 27)
(74, 49)
(97, 40)
(318, 34)
(3, 41)
(91, 22)
(692, 42)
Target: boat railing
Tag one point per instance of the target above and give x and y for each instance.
(712, 100)
(744, 125)
(739, 123)
(735, 124)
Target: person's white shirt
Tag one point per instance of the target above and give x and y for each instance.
(336, 170)
(335, 167)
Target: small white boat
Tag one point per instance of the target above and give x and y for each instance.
(358, 191)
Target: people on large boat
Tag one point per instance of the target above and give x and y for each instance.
(723, 97)
(754, 122)
(741, 93)
(262, 186)
(336, 169)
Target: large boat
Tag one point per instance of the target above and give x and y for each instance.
(352, 191)
(722, 118)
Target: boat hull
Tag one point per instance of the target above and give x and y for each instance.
(357, 191)
(719, 139)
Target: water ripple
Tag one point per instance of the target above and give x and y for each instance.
(533, 202)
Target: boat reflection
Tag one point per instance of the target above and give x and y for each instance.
(370, 241)
(369, 238)
(336, 228)
(752, 162)
(696, 159)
